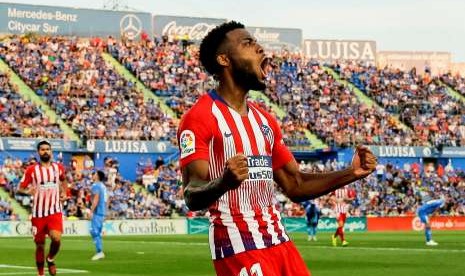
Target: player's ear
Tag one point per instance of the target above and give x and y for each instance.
(223, 60)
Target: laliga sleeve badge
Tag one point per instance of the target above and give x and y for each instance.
(187, 143)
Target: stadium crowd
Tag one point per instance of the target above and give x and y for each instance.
(393, 190)
(73, 78)
(421, 101)
(155, 194)
(20, 117)
(172, 71)
(457, 82)
(168, 68)
(309, 95)
(6, 212)
(314, 100)
(89, 95)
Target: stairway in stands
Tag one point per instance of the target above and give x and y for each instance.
(110, 60)
(27, 93)
(362, 97)
(315, 142)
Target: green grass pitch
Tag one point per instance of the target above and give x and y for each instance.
(371, 254)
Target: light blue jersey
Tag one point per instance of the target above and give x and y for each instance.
(428, 208)
(100, 189)
(98, 218)
(424, 211)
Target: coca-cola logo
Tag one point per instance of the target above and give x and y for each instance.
(194, 32)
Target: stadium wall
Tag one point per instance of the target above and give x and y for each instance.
(433, 62)
(128, 162)
(52, 20)
(184, 27)
(413, 223)
(110, 228)
(202, 225)
(130, 153)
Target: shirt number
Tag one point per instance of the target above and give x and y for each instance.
(255, 270)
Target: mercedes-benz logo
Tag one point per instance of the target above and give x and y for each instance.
(130, 26)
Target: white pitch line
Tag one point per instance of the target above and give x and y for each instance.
(61, 270)
(314, 246)
(156, 242)
(16, 273)
(387, 249)
(34, 273)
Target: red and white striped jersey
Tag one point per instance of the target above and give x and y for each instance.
(47, 180)
(244, 218)
(341, 195)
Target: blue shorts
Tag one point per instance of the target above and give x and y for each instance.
(428, 208)
(423, 217)
(96, 225)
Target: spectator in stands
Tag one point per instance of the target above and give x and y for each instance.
(20, 117)
(422, 102)
(74, 79)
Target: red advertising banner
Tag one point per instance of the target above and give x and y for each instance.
(414, 223)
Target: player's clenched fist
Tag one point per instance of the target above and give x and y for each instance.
(235, 171)
(364, 162)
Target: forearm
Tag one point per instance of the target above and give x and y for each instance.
(94, 203)
(93, 207)
(315, 185)
(200, 194)
(23, 191)
(63, 187)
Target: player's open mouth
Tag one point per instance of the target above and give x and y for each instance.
(265, 67)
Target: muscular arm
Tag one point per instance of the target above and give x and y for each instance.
(200, 193)
(299, 186)
(25, 186)
(63, 188)
(27, 191)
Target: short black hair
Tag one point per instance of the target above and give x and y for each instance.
(212, 41)
(101, 175)
(43, 142)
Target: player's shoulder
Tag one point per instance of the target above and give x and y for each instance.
(200, 111)
(260, 110)
(59, 165)
(95, 186)
(271, 119)
(31, 168)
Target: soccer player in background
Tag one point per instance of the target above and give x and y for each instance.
(312, 214)
(428, 207)
(341, 199)
(97, 212)
(45, 182)
(232, 151)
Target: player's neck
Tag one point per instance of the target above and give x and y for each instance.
(234, 95)
(46, 164)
